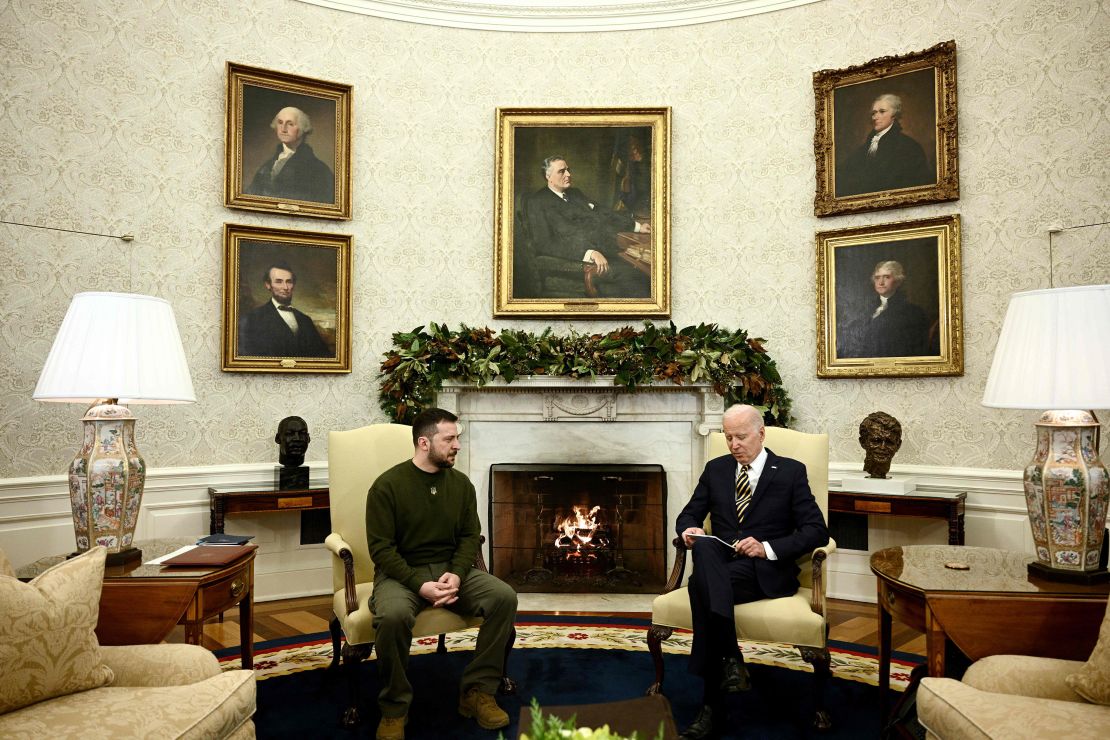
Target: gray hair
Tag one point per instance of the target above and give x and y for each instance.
(303, 121)
(749, 414)
(550, 161)
(895, 267)
(893, 101)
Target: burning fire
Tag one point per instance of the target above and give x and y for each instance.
(579, 532)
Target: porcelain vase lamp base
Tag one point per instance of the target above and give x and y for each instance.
(106, 483)
(1066, 491)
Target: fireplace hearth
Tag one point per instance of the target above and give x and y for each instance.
(578, 528)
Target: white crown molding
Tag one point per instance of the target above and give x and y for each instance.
(559, 16)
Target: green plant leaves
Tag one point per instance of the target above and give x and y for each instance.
(738, 367)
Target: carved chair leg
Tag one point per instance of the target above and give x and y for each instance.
(508, 686)
(655, 637)
(333, 627)
(353, 655)
(821, 661)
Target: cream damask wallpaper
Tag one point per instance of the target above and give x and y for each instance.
(113, 116)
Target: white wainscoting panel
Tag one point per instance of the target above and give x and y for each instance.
(35, 522)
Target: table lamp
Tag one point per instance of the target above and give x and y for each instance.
(1054, 353)
(113, 349)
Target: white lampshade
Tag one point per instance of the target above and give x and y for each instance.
(1054, 351)
(117, 345)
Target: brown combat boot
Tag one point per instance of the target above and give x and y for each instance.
(392, 728)
(482, 707)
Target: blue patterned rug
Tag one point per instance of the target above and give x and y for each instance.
(566, 660)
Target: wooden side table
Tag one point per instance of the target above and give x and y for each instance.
(141, 604)
(226, 501)
(946, 506)
(992, 607)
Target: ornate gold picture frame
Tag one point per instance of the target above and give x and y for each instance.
(582, 224)
(287, 301)
(885, 133)
(288, 144)
(889, 301)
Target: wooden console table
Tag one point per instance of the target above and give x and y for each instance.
(141, 604)
(993, 607)
(224, 501)
(946, 506)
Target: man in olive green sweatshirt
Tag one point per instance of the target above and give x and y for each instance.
(423, 531)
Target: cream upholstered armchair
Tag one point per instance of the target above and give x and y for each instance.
(1022, 696)
(799, 620)
(355, 459)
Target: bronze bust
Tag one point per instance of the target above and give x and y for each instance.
(880, 435)
(293, 438)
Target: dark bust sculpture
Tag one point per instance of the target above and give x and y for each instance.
(293, 438)
(880, 435)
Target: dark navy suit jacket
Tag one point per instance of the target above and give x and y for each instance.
(782, 513)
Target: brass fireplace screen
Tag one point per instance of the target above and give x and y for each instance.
(579, 528)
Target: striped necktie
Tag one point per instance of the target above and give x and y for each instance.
(743, 493)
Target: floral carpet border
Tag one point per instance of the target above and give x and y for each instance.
(315, 652)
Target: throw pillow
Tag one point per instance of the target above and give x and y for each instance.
(1092, 682)
(5, 565)
(47, 644)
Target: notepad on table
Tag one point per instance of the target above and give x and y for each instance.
(210, 556)
(225, 539)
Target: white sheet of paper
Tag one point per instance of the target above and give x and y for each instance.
(714, 537)
(158, 561)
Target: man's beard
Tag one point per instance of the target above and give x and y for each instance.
(440, 461)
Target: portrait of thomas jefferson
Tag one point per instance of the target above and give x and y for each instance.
(887, 307)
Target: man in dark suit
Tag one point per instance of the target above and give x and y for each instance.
(888, 159)
(761, 504)
(276, 329)
(562, 222)
(293, 171)
(885, 325)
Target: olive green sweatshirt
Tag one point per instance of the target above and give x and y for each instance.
(416, 518)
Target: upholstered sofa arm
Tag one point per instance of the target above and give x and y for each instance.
(159, 665)
(1024, 675)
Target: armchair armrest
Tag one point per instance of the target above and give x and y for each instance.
(675, 579)
(817, 602)
(336, 544)
(339, 547)
(480, 559)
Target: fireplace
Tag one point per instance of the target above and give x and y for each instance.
(578, 528)
(549, 421)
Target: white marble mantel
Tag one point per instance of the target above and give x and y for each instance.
(539, 419)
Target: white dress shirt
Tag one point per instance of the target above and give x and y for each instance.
(754, 473)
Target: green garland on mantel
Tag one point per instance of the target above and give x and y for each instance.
(738, 367)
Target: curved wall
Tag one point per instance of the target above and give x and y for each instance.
(114, 119)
